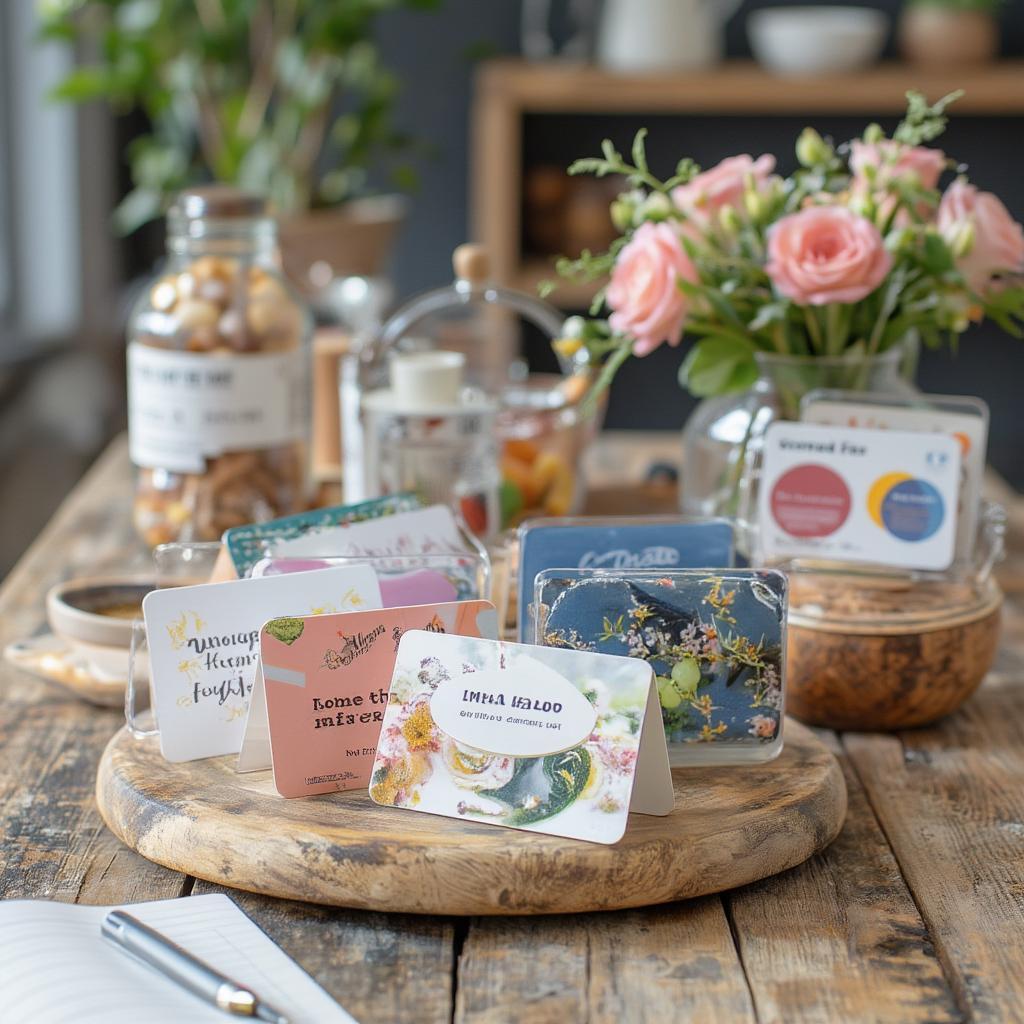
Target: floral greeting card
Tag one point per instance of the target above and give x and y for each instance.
(322, 688)
(532, 738)
(715, 641)
(204, 646)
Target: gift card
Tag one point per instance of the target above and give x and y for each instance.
(964, 418)
(406, 579)
(432, 530)
(204, 646)
(248, 544)
(885, 497)
(716, 642)
(647, 542)
(546, 740)
(324, 682)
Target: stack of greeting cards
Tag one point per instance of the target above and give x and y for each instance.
(356, 650)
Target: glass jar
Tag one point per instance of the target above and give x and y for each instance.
(539, 422)
(723, 438)
(219, 350)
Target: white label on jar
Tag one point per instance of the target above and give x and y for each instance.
(184, 408)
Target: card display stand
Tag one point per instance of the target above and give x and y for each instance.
(729, 827)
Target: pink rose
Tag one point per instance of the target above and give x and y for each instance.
(826, 254)
(644, 292)
(892, 160)
(998, 240)
(723, 185)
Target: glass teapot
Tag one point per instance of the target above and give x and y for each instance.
(440, 402)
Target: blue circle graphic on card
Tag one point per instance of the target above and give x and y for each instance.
(912, 510)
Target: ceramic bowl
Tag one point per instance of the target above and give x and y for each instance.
(797, 41)
(881, 655)
(94, 616)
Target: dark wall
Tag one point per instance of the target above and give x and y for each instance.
(435, 55)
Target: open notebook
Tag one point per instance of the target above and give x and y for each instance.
(56, 968)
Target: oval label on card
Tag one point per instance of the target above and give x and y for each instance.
(527, 711)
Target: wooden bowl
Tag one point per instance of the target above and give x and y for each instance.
(878, 655)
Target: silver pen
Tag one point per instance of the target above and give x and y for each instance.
(131, 935)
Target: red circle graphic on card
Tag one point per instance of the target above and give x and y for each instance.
(810, 501)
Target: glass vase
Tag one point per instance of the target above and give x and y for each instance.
(724, 436)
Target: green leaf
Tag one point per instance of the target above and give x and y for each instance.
(718, 365)
(937, 257)
(84, 84)
(137, 208)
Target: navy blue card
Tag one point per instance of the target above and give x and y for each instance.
(715, 639)
(636, 542)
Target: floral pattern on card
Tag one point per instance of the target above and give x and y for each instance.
(715, 642)
(582, 792)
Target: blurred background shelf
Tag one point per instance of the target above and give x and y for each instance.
(515, 102)
(741, 86)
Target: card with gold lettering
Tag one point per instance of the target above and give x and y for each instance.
(322, 687)
(204, 645)
(536, 738)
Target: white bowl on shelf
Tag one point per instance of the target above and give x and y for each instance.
(808, 41)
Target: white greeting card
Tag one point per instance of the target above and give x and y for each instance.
(423, 531)
(885, 497)
(962, 417)
(204, 647)
(537, 738)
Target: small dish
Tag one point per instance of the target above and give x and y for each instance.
(53, 659)
(805, 41)
(94, 618)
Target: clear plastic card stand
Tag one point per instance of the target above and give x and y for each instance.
(715, 638)
(467, 573)
(177, 565)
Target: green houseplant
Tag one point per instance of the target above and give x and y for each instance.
(287, 98)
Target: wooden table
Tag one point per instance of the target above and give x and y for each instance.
(915, 913)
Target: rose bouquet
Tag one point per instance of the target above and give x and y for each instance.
(847, 257)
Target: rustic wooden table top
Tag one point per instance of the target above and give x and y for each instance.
(915, 913)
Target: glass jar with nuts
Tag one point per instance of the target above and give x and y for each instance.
(218, 376)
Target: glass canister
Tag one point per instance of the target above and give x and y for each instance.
(218, 375)
(537, 420)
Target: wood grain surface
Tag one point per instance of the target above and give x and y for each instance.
(914, 913)
(729, 827)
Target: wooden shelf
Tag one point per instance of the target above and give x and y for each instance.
(507, 90)
(742, 87)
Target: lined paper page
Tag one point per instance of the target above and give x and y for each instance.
(55, 967)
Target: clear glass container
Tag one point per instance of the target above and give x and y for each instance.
(724, 436)
(873, 650)
(219, 349)
(537, 424)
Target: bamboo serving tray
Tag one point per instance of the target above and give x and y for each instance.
(730, 826)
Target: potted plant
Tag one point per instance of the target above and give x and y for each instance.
(826, 278)
(286, 99)
(949, 33)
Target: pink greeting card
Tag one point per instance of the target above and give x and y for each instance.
(325, 681)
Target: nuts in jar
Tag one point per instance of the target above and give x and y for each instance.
(218, 377)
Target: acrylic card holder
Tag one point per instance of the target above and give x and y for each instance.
(621, 542)
(716, 642)
(405, 579)
(964, 417)
(201, 645)
(179, 563)
(247, 544)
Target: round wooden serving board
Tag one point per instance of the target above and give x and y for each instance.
(730, 826)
